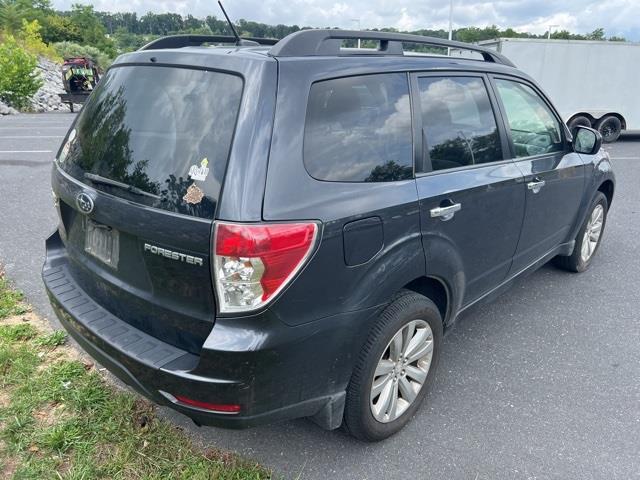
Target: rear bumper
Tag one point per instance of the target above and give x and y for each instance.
(273, 371)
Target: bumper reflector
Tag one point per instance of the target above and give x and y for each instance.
(214, 407)
(226, 408)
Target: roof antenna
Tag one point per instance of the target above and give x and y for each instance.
(239, 41)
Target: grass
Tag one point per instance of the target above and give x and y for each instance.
(60, 420)
(10, 300)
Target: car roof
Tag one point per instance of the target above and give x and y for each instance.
(322, 43)
(322, 49)
(408, 60)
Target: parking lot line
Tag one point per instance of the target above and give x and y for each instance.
(31, 136)
(26, 151)
(38, 127)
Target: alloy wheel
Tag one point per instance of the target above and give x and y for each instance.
(401, 371)
(592, 233)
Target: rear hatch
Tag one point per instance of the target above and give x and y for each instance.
(149, 151)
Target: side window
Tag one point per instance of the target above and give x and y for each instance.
(459, 127)
(358, 129)
(534, 128)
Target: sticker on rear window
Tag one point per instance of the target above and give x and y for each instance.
(194, 195)
(199, 172)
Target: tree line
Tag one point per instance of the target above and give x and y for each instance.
(115, 33)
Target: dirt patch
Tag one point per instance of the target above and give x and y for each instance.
(50, 414)
(143, 413)
(105, 453)
(66, 353)
(28, 317)
(8, 465)
(5, 399)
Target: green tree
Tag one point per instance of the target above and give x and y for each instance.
(597, 34)
(30, 39)
(18, 79)
(56, 28)
(91, 29)
(11, 16)
(475, 34)
(12, 12)
(126, 41)
(70, 49)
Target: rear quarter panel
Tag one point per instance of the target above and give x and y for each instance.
(327, 286)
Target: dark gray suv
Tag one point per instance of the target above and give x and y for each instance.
(263, 231)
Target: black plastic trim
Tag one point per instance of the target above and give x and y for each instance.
(328, 42)
(180, 41)
(121, 336)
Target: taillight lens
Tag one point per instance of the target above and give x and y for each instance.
(252, 263)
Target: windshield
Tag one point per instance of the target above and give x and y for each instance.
(165, 132)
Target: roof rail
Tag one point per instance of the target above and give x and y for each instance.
(328, 42)
(179, 41)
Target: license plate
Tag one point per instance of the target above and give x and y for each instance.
(102, 242)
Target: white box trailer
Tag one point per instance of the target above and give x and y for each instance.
(593, 83)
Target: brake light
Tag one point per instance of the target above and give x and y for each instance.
(252, 263)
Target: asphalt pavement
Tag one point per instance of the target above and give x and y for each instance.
(543, 383)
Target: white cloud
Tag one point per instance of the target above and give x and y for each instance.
(617, 17)
(558, 21)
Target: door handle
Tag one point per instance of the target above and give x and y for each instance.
(445, 213)
(536, 185)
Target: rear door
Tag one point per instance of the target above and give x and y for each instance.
(471, 195)
(553, 174)
(139, 178)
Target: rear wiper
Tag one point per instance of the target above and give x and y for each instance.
(114, 183)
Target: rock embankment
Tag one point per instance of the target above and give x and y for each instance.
(46, 99)
(6, 109)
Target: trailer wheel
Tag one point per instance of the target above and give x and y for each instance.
(609, 127)
(579, 121)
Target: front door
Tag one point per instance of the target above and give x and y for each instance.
(553, 174)
(471, 195)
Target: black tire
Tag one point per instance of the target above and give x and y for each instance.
(405, 307)
(579, 121)
(575, 262)
(609, 127)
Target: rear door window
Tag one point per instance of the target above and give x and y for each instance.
(358, 129)
(459, 125)
(155, 135)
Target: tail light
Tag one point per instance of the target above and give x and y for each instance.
(253, 263)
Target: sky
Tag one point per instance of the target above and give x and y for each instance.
(617, 17)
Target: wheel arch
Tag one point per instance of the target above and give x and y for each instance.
(596, 116)
(435, 290)
(607, 187)
(617, 115)
(591, 118)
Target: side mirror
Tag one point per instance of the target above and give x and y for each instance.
(586, 140)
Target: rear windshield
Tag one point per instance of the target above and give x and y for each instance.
(159, 136)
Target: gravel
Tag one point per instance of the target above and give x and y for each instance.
(46, 99)
(7, 110)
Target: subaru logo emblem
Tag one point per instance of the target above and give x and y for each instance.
(84, 203)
